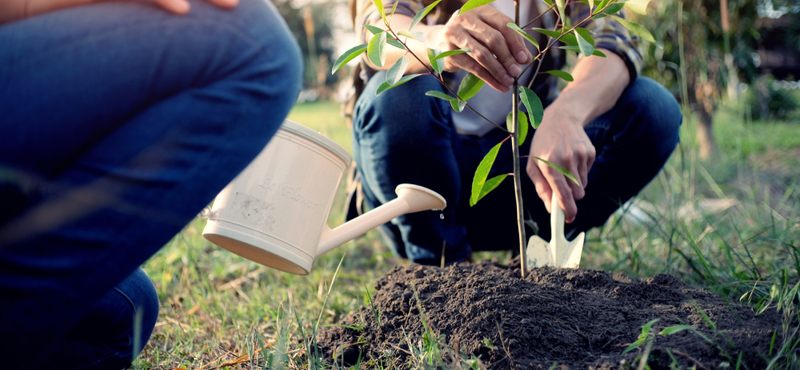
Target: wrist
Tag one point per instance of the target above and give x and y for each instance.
(570, 109)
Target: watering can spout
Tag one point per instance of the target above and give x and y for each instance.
(410, 199)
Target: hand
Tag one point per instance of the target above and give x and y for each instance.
(182, 6)
(496, 50)
(560, 139)
(30, 8)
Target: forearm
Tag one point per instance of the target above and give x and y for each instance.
(598, 83)
(15, 10)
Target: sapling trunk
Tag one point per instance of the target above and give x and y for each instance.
(515, 151)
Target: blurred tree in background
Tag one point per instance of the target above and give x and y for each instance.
(707, 47)
(312, 25)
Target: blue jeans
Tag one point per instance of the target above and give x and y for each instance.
(403, 136)
(119, 123)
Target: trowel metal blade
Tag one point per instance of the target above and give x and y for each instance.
(571, 256)
(538, 252)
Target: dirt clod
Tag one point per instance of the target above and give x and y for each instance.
(570, 318)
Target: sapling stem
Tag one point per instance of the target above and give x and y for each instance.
(515, 151)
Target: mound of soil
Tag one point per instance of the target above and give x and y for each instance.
(571, 318)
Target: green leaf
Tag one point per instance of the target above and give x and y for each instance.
(567, 38)
(439, 94)
(586, 34)
(450, 53)
(385, 86)
(472, 4)
(490, 185)
(381, 10)
(636, 29)
(469, 86)
(422, 13)
(563, 171)
(376, 49)
(419, 36)
(437, 65)
(612, 9)
(396, 44)
(675, 329)
(548, 2)
(585, 47)
(561, 9)
(348, 56)
(394, 8)
(397, 71)
(532, 104)
(457, 104)
(524, 34)
(577, 49)
(479, 179)
(523, 127)
(602, 4)
(633, 346)
(551, 33)
(638, 6)
(561, 74)
(372, 29)
(591, 4)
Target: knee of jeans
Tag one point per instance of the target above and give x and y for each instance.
(660, 113)
(404, 108)
(143, 299)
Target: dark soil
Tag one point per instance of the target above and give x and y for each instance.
(571, 318)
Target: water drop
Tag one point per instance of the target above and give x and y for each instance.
(441, 216)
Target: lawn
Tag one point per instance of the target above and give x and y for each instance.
(218, 310)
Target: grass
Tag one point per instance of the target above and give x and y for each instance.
(221, 311)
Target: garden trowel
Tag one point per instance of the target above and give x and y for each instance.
(558, 252)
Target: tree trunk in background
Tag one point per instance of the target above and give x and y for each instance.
(705, 135)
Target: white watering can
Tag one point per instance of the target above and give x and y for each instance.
(275, 212)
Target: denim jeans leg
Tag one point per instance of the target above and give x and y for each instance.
(404, 136)
(120, 122)
(633, 141)
(104, 338)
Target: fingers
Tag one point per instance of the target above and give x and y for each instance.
(225, 4)
(182, 6)
(174, 6)
(496, 50)
(563, 191)
(483, 57)
(543, 189)
(515, 44)
(469, 64)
